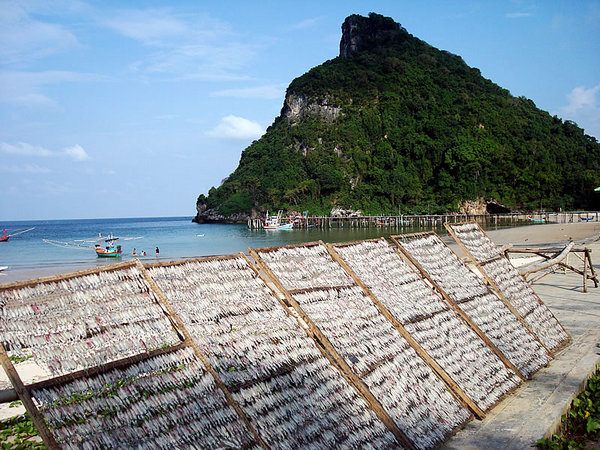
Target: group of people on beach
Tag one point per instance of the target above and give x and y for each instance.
(143, 253)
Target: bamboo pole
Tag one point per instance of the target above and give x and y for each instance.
(544, 265)
(541, 251)
(585, 274)
(25, 396)
(543, 254)
(589, 258)
(454, 387)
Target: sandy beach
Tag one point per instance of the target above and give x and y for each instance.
(547, 234)
(555, 235)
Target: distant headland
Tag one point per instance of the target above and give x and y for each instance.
(395, 124)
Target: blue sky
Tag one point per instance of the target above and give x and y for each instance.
(132, 109)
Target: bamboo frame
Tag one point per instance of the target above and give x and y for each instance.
(455, 304)
(68, 276)
(25, 397)
(24, 391)
(463, 397)
(449, 304)
(494, 292)
(81, 273)
(544, 264)
(260, 267)
(186, 341)
(501, 294)
(202, 357)
(338, 361)
(257, 273)
(545, 254)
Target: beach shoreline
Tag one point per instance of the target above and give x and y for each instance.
(537, 235)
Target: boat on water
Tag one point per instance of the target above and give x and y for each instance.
(106, 250)
(110, 250)
(536, 220)
(277, 222)
(6, 236)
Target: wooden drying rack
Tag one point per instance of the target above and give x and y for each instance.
(398, 241)
(24, 392)
(452, 306)
(555, 257)
(500, 293)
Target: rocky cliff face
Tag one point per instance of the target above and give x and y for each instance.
(482, 206)
(206, 215)
(363, 33)
(297, 106)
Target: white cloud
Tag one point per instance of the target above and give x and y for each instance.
(151, 27)
(26, 88)
(582, 108)
(517, 15)
(272, 91)
(579, 98)
(191, 46)
(307, 23)
(233, 127)
(22, 149)
(23, 38)
(76, 152)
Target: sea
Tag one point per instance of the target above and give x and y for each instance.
(29, 255)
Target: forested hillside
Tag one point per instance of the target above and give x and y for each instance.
(397, 125)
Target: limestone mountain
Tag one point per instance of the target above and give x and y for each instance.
(396, 124)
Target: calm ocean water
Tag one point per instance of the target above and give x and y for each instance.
(28, 256)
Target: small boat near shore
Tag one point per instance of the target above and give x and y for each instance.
(536, 220)
(6, 237)
(277, 222)
(108, 250)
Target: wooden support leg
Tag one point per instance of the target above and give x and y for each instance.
(593, 272)
(585, 263)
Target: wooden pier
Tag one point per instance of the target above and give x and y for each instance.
(434, 220)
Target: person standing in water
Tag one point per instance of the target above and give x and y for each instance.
(157, 252)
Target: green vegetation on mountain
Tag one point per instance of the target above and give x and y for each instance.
(396, 124)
